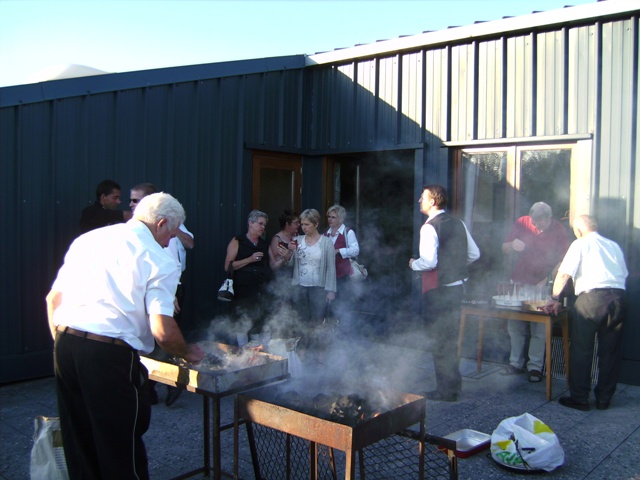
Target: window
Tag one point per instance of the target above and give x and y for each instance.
(495, 186)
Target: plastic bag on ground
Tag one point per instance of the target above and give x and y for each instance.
(526, 443)
(47, 455)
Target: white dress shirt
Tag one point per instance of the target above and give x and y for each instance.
(112, 279)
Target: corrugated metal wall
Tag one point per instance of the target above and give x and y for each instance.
(188, 138)
(193, 138)
(574, 80)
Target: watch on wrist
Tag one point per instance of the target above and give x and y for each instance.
(555, 299)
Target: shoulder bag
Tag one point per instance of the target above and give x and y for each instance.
(358, 272)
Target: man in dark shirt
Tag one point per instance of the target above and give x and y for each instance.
(103, 212)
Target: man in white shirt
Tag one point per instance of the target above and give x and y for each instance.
(112, 299)
(597, 267)
(446, 249)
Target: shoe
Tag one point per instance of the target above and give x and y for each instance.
(172, 395)
(437, 396)
(511, 370)
(535, 376)
(602, 405)
(571, 403)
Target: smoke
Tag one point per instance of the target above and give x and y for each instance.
(378, 311)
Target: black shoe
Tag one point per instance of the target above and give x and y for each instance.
(571, 403)
(440, 397)
(602, 405)
(172, 395)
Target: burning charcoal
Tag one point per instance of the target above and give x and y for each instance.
(322, 402)
(349, 408)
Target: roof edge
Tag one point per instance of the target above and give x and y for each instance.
(109, 82)
(536, 20)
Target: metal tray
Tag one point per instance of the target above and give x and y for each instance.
(506, 303)
(469, 442)
(247, 369)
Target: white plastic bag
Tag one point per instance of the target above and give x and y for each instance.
(286, 347)
(526, 443)
(47, 454)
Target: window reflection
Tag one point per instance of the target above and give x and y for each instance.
(499, 186)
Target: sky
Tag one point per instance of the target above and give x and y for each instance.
(122, 36)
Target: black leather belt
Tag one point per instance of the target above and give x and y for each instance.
(606, 290)
(92, 336)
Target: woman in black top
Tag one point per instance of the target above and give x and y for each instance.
(248, 256)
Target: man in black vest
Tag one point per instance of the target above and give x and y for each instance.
(446, 249)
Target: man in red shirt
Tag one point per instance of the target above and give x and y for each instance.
(536, 245)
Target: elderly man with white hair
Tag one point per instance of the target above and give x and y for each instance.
(535, 245)
(112, 297)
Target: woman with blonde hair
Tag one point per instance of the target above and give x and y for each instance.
(314, 270)
(345, 244)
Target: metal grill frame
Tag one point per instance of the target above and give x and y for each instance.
(256, 408)
(277, 455)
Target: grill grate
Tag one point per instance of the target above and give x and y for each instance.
(396, 456)
(271, 447)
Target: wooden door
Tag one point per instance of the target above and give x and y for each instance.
(277, 186)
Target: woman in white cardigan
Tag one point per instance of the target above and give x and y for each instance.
(314, 270)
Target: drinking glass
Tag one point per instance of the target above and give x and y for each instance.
(503, 290)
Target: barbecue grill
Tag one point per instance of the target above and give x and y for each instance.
(226, 370)
(273, 407)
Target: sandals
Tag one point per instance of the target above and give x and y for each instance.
(535, 376)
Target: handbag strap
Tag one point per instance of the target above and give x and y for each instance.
(346, 239)
(230, 267)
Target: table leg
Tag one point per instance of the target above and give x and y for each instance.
(350, 465)
(463, 322)
(480, 343)
(205, 415)
(236, 437)
(313, 460)
(547, 360)
(421, 447)
(215, 440)
(565, 344)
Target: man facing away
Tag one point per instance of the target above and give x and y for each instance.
(536, 245)
(104, 211)
(113, 296)
(446, 250)
(597, 267)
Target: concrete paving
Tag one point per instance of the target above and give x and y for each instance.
(597, 444)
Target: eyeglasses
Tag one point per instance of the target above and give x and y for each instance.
(134, 200)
